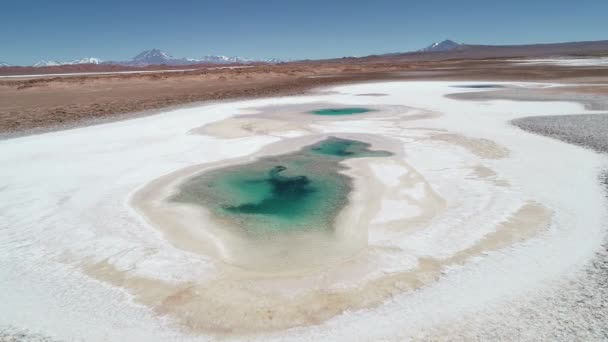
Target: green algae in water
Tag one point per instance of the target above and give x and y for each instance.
(299, 191)
(341, 111)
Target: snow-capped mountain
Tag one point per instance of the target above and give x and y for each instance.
(3, 64)
(224, 60)
(445, 45)
(44, 63)
(86, 60)
(275, 60)
(157, 57)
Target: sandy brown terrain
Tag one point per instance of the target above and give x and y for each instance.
(40, 104)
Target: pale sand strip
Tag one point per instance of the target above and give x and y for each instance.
(245, 127)
(482, 148)
(276, 120)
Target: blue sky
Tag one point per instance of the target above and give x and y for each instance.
(31, 30)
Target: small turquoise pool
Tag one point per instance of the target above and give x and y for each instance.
(341, 111)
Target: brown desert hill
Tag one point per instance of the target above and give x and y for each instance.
(467, 51)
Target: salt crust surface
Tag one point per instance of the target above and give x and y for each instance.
(65, 197)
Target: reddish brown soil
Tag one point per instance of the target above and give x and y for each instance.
(34, 105)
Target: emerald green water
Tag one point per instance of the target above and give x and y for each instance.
(298, 191)
(341, 111)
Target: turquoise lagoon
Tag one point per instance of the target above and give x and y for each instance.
(299, 191)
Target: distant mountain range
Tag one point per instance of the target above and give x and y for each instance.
(158, 57)
(449, 49)
(446, 49)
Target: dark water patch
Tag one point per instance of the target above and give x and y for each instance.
(341, 111)
(299, 191)
(480, 86)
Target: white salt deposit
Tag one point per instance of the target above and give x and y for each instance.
(65, 204)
